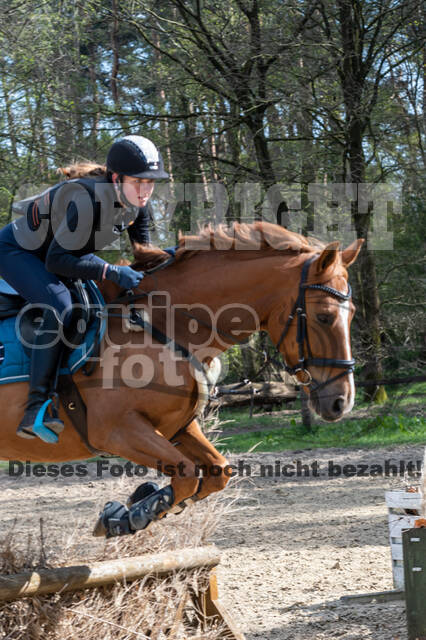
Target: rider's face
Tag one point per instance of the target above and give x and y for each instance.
(137, 190)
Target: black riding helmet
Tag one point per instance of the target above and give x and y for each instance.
(136, 156)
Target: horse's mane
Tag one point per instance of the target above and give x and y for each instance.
(250, 238)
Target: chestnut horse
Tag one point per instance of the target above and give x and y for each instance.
(223, 285)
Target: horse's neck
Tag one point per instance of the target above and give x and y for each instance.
(233, 295)
(239, 294)
(214, 282)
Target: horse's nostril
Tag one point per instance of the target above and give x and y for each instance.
(338, 405)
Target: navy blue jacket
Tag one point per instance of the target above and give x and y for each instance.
(75, 218)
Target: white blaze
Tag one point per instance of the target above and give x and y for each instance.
(344, 316)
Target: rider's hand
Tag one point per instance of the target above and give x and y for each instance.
(126, 277)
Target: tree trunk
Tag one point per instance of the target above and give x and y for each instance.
(96, 111)
(353, 80)
(307, 171)
(115, 68)
(164, 123)
(263, 157)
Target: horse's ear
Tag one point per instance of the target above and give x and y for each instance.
(350, 254)
(328, 257)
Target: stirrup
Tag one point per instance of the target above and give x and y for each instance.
(39, 429)
(44, 433)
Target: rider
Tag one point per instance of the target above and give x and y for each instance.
(56, 240)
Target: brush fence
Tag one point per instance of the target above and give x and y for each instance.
(97, 574)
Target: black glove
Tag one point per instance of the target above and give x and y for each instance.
(126, 277)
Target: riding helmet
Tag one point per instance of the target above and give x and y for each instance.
(136, 156)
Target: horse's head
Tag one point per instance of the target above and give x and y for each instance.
(313, 331)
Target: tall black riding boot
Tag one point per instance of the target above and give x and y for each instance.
(45, 356)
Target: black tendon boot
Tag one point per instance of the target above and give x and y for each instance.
(48, 348)
(117, 520)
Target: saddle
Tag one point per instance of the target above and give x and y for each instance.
(11, 304)
(86, 329)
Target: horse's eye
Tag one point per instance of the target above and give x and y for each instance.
(325, 318)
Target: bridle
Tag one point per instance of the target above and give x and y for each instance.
(299, 310)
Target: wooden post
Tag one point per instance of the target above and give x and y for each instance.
(305, 411)
(207, 603)
(414, 548)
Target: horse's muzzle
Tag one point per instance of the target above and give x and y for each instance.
(330, 405)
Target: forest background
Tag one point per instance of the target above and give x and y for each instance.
(249, 94)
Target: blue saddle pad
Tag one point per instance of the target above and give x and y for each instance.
(15, 363)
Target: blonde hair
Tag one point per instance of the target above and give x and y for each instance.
(82, 169)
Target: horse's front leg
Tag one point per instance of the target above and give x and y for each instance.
(137, 440)
(212, 466)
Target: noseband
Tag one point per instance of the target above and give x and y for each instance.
(299, 309)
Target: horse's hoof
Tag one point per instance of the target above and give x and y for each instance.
(99, 530)
(113, 521)
(142, 491)
(178, 508)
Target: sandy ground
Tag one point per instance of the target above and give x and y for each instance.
(292, 546)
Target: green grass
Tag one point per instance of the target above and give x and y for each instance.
(365, 432)
(400, 421)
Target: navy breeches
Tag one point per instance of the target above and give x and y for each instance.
(26, 272)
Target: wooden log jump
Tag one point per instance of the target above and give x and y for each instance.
(97, 574)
